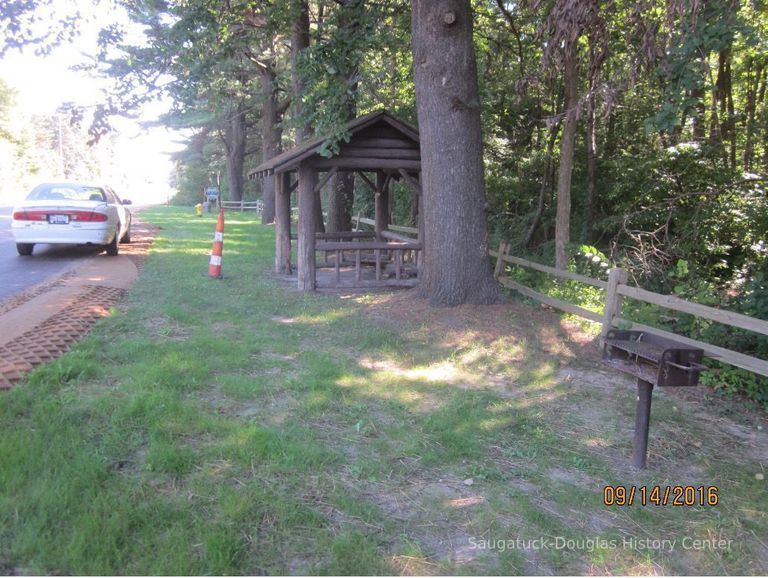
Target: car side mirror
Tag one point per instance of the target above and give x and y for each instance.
(127, 202)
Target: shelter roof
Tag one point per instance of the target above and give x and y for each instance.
(377, 141)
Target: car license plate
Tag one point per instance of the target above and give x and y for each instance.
(58, 219)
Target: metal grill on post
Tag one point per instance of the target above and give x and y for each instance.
(653, 360)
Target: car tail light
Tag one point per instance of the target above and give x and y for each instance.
(87, 216)
(79, 216)
(30, 216)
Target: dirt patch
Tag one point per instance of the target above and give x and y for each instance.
(466, 324)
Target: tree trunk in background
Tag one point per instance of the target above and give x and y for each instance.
(591, 138)
(761, 105)
(341, 192)
(235, 141)
(299, 42)
(725, 96)
(544, 189)
(271, 134)
(563, 218)
(715, 121)
(699, 128)
(753, 84)
(731, 111)
(456, 266)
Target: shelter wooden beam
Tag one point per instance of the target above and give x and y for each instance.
(326, 178)
(365, 163)
(367, 180)
(382, 203)
(414, 185)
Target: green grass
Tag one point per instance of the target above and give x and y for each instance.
(241, 427)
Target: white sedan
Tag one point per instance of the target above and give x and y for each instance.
(73, 214)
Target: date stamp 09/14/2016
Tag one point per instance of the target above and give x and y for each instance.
(658, 495)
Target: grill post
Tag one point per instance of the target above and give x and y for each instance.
(642, 423)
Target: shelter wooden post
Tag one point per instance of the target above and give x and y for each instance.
(283, 223)
(382, 204)
(306, 244)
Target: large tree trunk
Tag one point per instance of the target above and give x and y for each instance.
(270, 139)
(456, 267)
(563, 218)
(235, 142)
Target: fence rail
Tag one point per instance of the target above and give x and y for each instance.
(357, 221)
(616, 289)
(241, 206)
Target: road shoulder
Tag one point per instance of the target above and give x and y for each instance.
(44, 322)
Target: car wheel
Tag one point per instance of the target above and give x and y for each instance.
(112, 247)
(25, 249)
(127, 237)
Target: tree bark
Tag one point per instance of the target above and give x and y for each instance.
(761, 105)
(563, 218)
(753, 82)
(235, 143)
(341, 192)
(299, 42)
(725, 95)
(271, 135)
(699, 127)
(456, 266)
(591, 196)
(341, 196)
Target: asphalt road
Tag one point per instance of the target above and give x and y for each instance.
(19, 273)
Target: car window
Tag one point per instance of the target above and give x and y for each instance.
(67, 192)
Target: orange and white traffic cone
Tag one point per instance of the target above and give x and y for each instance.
(214, 267)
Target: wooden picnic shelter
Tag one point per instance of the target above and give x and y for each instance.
(378, 143)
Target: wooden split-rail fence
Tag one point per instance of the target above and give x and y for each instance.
(242, 206)
(616, 289)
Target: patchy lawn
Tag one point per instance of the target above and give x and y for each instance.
(238, 426)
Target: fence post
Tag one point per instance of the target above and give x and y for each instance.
(503, 247)
(613, 300)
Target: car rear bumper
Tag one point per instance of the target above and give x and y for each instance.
(72, 234)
